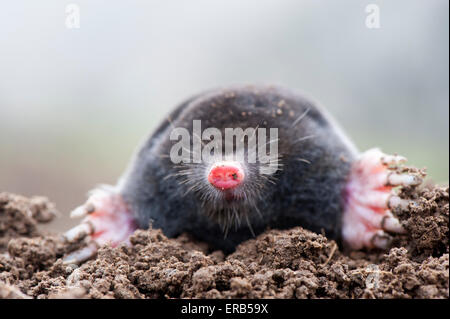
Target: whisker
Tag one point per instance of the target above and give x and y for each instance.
(199, 138)
(304, 138)
(257, 210)
(300, 117)
(189, 151)
(253, 135)
(271, 141)
(303, 160)
(249, 225)
(168, 176)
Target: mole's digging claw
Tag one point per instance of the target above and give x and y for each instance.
(82, 254)
(107, 221)
(83, 210)
(79, 232)
(380, 240)
(397, 202)
(370, 197)
(395, 179)
(391, 224)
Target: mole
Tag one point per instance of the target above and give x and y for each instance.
(224, 190)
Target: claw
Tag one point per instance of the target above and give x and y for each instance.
(376, 219)
(79, 232)
(370, 197)
(380, 240)
(83, 210)
(107, 220)
(391, 224)
(395, 179)
(393, 160)
(82, 254)
(382, 199)
(397, 202)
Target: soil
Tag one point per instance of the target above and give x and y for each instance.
(294, 263)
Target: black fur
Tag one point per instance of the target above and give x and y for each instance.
(307, 190)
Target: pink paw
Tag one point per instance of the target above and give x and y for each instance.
(107, 220)
(370, 195)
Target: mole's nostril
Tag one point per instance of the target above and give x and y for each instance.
(226, 175)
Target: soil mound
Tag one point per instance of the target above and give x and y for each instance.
(294, 263)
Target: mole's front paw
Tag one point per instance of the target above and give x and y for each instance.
(107, 220)
(369, 197)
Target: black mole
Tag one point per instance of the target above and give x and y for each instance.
(313, 177)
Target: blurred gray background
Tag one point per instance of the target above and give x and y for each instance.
(75, 103)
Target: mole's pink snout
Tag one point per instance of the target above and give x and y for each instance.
(226, 175)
